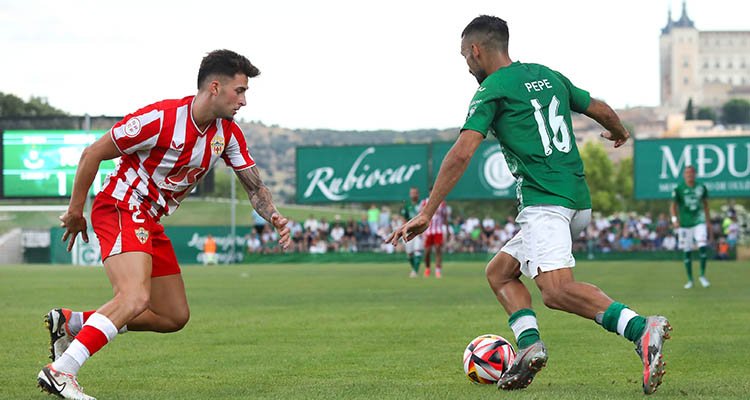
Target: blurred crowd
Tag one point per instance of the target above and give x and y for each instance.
(622, 232)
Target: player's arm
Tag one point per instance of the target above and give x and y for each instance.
(88, 166)
(260, 198)
(602, 113)
(453, 167)
(675, 214)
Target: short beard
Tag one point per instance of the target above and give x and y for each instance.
(480, 76)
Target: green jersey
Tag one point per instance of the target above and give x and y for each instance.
(410, 210)
(690, 203)
(527, 108)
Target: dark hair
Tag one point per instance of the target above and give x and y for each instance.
(225, 63)
(493, 29)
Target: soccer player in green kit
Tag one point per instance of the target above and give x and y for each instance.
(414, 248)
(527, 108)
(689, 216)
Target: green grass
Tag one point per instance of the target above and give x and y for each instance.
(366, 331)
(191, 212)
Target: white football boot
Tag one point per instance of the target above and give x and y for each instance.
(60, 384)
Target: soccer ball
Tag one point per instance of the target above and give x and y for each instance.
(487, 358)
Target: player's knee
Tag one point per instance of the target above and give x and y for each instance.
(134, 302)
(180, 320)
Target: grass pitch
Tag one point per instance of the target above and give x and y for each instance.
(366, 331)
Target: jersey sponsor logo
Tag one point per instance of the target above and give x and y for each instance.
(132, 127)
(217, 144)
(141, 234)
(185, 177)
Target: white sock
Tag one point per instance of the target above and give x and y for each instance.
(70, 362)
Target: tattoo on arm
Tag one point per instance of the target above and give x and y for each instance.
(257, 192)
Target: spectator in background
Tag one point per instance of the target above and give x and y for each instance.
(722, 250)
(311, 224)
(733, 231)
(669, 243)
(337, 237)
(373, 218)
(253, 243)
(209, 250)
(318, 246)
(384, 218)
(488, 230)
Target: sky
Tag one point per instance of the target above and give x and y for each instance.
(326, 64)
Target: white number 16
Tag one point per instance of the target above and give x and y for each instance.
(557, 125)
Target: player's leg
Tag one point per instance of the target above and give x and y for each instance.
(561, 291)
(418, 251)
(130, 276)
(409, 248)
(428, 242)
(685, 243)
(439, 255)
(701, 240)
(503, 273)
(168, 309)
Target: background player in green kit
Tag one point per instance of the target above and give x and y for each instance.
(527, 108)
(414, 248)
(689, 216)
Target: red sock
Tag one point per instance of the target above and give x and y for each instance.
(96, 333)
(87, 314)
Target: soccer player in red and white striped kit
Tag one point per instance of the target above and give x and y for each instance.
(164, 150)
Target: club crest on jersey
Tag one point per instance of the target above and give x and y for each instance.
(142, 235)
(217, 144)
(133, 127)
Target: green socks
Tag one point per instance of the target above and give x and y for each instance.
(524, 326)
(703, 257)
(689, 265)
(618, 318)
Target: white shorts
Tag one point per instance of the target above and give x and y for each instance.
(414, 245)
(692, 238)
(545, 241)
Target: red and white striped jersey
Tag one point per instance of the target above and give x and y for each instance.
(439, 219)
(164, 155)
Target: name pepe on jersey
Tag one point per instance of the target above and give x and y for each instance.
(164, 155)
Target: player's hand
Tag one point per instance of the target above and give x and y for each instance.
(409, 230)
(279, 222)
(74, 224)
(618, 138)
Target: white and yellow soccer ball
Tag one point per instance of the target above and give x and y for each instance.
(487, 358)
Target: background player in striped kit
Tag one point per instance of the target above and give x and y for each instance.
(434, 237)
(164, 149)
